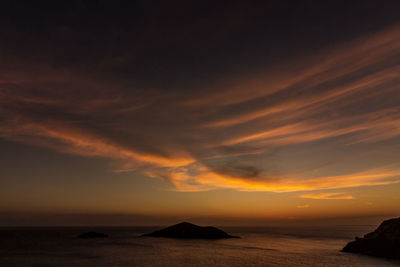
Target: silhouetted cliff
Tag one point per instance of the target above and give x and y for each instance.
(383, 242)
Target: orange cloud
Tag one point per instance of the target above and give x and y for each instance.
(327, 67)
(78, 142)
(208, 180)
(327, 196)
(349, 93)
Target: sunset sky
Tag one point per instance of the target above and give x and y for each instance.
(228, 110)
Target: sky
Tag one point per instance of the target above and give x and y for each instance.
(141, 112)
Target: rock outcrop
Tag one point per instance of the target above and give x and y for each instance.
(92, 235)
(383, 242)
(189, 230)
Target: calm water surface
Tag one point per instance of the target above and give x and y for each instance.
(268, 246)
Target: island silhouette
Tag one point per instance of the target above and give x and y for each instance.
(190, 231)
(383, 242)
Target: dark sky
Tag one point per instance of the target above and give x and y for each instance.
(279, 108)
(173, 45)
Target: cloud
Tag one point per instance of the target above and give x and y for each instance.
(73, 141)
(331, 77)
(196, 180)
(327, 196)
(228, 134)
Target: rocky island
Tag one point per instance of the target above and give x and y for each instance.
(383, 242)
(189, 230)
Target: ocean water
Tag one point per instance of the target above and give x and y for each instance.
(260, 246)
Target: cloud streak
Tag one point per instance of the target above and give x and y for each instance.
(327, 196)
(226, 137)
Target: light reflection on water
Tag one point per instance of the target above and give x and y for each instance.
(269, 246)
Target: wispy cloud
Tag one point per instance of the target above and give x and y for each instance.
(73, 141)
(327, 196)
(226, 136)
(206, 180)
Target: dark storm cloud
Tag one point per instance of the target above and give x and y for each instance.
(201, 93)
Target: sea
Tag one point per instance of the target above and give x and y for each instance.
(258, 246)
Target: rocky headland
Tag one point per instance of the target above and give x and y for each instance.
(383, 242)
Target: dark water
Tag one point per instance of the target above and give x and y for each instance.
(268, 246)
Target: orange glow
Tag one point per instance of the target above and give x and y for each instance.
(211, 180)
(285, 130)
